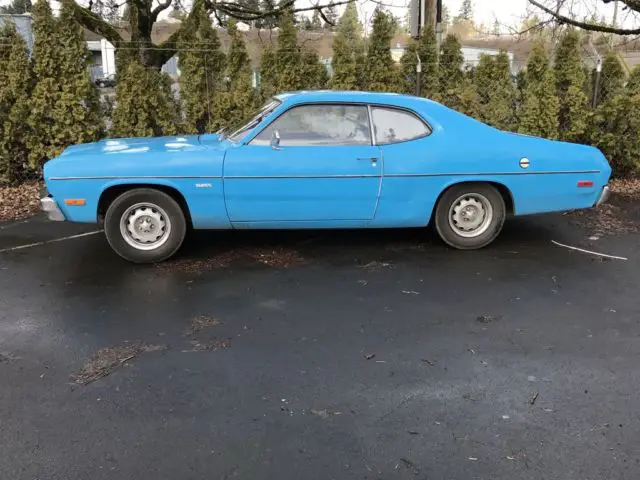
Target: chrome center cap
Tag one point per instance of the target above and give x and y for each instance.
(468, 214)
(146, 224)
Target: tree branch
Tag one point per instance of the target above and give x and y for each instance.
(563, 19)
(240, 12)
(160, 8)
(93, 22)
(324, 17)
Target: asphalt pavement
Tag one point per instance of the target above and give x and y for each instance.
(320, 355)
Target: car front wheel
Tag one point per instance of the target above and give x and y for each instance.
(470, 216)
(145, 225)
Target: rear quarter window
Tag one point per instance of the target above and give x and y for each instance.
(394, 125)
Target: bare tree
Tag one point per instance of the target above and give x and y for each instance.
(141, 15)
(561, 11)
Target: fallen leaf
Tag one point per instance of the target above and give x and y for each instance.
(107, 360)
(534, 398)
(19, 202)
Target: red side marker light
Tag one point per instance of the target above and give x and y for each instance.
(585, 183)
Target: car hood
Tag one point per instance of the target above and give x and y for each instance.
(140, 146)
(136, 157)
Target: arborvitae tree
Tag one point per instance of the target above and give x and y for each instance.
(539, 108)
(496, 91)
(42, 140)
(615, 127)
(570, 79)
(455, 89)
(237, 102)
(17, 7)
(145, 105)
(288, 67)
(633, 84)
(332, 15)
(270, 21)
(616, 131)
(380, 71)
(268, 73)
(611, 77)
(202, 65)
(315, 73)
(426, 48)
(15, 88)
(348, 51)
(78, 106)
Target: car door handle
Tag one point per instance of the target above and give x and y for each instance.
(368, 159)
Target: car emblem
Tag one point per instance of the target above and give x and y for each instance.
(524, 163)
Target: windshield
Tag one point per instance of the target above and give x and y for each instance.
(238, 130)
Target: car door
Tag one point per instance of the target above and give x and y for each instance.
(409, 152)
(315, 163)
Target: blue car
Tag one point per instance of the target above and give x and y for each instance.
(322, 159)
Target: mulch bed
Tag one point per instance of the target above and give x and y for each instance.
(19, 202)
(620, 215)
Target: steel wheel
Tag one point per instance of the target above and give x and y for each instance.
(145, 226)
(470, 215)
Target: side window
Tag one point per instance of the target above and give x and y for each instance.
(319, 125)
(392, 125)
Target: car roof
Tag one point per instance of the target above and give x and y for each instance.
(383, 98)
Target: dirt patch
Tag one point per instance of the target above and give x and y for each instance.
(200, 341)
(278, 257)
(200, 323)
(6, 357)
(107, 360)
(376, 266)
(19, 202)
(210, 345)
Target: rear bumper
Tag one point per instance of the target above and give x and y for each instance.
(604, 195)
(49, 205)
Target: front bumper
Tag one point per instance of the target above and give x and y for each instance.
(604, 195)
(49, 205)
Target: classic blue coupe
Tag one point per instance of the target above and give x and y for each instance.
(322, 159)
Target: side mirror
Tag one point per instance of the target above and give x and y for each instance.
(275, 140)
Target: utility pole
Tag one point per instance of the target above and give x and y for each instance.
(615, 13)
(438, 27)
(418, 75)
(424, 12)
(596, 86)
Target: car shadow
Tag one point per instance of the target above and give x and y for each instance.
(336, 246)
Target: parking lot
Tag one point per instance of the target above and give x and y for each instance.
(320, 355)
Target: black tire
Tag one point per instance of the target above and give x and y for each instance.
(489, 232)
(165, 205)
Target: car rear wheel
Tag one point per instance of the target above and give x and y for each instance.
(145, 225)
(470, 215)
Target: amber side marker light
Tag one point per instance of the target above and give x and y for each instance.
(75, 202)
(585, 183)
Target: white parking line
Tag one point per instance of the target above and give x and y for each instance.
(29, 245)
